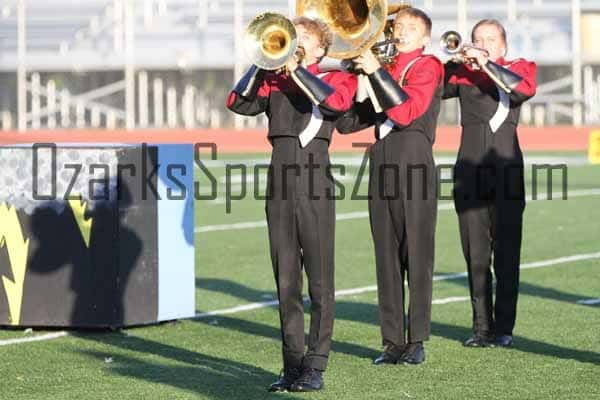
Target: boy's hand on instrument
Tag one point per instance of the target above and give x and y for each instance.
(291, 65)
(367, 62)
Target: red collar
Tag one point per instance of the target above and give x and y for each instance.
(314, 69)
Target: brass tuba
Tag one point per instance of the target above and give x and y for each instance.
(355, 24)
(270, 41)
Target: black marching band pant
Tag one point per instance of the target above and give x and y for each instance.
(300, 211)
(402, 210)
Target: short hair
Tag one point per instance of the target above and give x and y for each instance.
(318, 28)
(489, 21)
(419, 14)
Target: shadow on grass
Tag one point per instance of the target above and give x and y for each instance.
(235, 289)
(368, 313)
(529, 289)
(266, 331)
(363, 312)
(201, 374)
(249, 294)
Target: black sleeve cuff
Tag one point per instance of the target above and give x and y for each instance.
(360, 116)
(250, 83)
(314, 87)
(506, 76)
(389, 94)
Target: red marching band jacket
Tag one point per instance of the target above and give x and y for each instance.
(289, 109)
(421, 78)
(481, 99)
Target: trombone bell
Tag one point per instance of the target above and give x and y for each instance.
(275, 42)
(270, 40)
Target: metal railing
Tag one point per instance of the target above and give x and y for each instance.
(152, 49)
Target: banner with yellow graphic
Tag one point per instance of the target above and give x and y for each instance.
(127, 259)
(11, 237)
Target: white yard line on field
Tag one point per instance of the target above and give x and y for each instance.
(365, 214)
(589, 302)
(38, 338)
(340, 293)
(449, 300)
(367, 289)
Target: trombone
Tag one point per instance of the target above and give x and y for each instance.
(270, 41)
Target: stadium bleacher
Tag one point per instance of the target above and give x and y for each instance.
(190, 46)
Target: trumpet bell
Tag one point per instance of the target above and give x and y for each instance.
(356, 24)
(451, 42)
(270, 40)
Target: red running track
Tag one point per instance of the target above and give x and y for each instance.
(555, 138)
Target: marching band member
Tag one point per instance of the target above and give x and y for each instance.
(489, 192)
(402, 182)
(302, 107)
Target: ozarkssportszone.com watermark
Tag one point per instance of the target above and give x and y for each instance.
(486, 181)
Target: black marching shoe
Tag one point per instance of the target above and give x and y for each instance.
(391, 355)
(504, 341)
(286, 378)
(414, 353)
(479, 340)
(310, 380)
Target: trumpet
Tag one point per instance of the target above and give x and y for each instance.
(451, 43)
